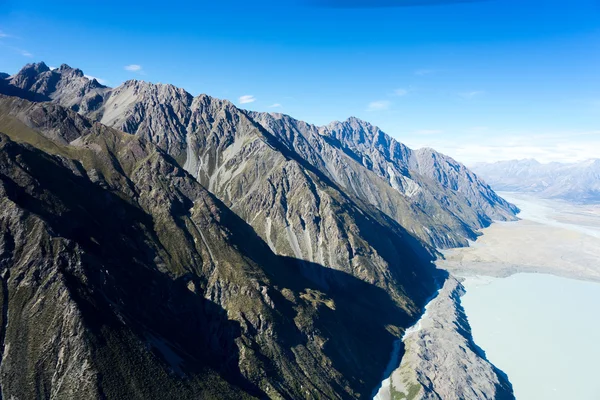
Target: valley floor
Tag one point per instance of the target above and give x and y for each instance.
(552, 237)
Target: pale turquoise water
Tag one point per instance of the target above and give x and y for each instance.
(542, 330)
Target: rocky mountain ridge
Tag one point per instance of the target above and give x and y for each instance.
(577, 182)
(167, 284)
(288, 257)
(434, 197)
(419, 188)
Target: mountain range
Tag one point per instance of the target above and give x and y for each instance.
(576, 182)
(155, 244)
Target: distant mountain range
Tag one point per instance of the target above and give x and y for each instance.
(159, 245)
(577, 182)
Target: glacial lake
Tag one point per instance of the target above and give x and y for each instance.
(541, 330)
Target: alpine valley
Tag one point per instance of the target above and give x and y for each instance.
(158, 245)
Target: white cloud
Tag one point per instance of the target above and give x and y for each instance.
(133, 67)
(401, 92)
(499, 145)
(4, 35)
(245, 99)
(25, 53)
(276, 105)
(472, 94)
(90, 77)
(380, 105)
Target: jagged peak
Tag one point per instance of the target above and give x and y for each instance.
(64, 68)
(152, 85)
(353, 121)
(150, 88)
(356, 120)
(429, 151)
(36, 67)
(361, 131)
(207, 100)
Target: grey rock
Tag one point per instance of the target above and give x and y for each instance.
(441, 360)
(434, 197)
(64, 85)
(429, 194)
(170, 293)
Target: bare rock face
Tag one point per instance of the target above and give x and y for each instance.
(156, 112)
(64, 85)
(434, 197)
(441, 361)
(291, 204)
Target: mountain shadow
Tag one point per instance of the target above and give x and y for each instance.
(148, 324)
(134, 313)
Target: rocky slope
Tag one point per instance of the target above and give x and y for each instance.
(236, 253)
(429, 194)
(576, 182)
(433, 196)
(441, 361)
(169, 288)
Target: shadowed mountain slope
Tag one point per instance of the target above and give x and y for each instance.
(170, 293)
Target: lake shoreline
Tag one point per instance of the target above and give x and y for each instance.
(441, 357)
(546, 241)
(528, 286)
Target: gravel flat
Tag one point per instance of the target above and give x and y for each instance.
(553, 237)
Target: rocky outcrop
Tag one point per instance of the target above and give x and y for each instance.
(292, 205)
(441, 360)
(65, 85)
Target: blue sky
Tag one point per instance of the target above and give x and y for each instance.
(481, 81)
